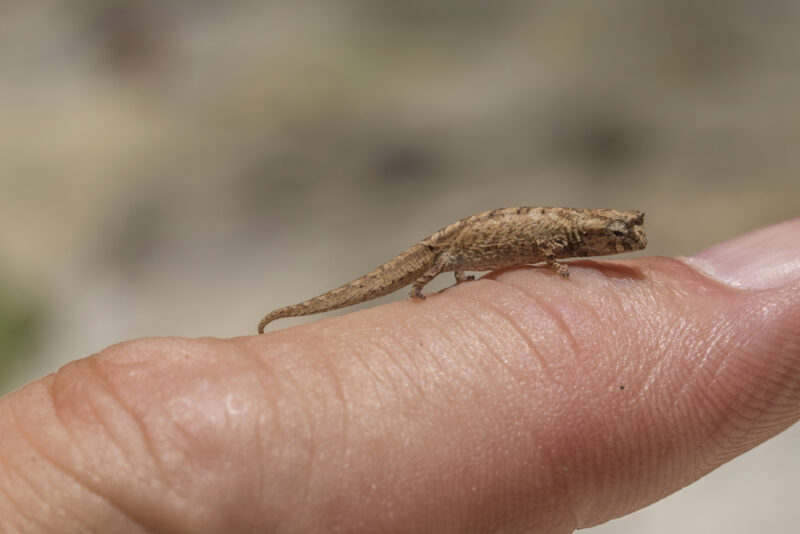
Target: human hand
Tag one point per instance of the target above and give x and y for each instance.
(521, 402)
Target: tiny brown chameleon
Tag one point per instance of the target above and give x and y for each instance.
(490, 240)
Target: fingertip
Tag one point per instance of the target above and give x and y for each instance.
(765, 258)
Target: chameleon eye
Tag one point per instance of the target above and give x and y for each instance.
(617, 228)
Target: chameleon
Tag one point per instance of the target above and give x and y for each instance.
(490, 240)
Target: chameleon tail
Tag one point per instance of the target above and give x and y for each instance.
(391, 276)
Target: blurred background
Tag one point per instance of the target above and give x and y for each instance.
(181, 168)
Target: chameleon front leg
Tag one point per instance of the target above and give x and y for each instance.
(548, 253)
(461, 277)
(560, 268)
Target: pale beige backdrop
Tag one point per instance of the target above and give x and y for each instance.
(180, 168)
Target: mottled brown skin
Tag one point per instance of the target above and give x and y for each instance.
(491, 240)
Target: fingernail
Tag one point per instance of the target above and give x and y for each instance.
(763, 259)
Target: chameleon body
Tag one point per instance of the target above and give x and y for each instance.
(490, 240)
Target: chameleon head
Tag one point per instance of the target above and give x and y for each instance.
(612, 231)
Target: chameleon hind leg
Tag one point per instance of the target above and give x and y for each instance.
(437, 267)
(433, 272)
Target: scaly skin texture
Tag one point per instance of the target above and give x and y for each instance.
(490, 240)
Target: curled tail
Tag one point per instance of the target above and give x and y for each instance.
(389, 277)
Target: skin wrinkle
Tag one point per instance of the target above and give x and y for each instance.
(605, 467)
(91, 406)
(304, 403)
(262, 368)
(420, 395)
(11, 467)
(670, 444)
(789, 365)
(472, 335)
(431, 363)
(396, 361)
(675, 330)
(110, 390)
(553, 464)
(630, 497)
(455, 336)
(612, 292)
(116, 443)
(437, 351)
(707, 364)
(311, 454)
(384, 376)
(608, 320)
(727, 435)
(431, 329)
(688, 455)
(73, 473)
(92, 372)
(714, 451)
(258, 368)
(506, 318)
(438, 365)
(620, 316)
(311, 428)
(753, 401)
(392, 340)
(710, 418)
(441, 331)
(544, 364)
(780, 368)
(19, 509)
(376, 381)
(758, 398)
(656, 370)
(776, 383)
(558, 484)
(739, 431)
(277, 428)
(687, 379)
(557, 318)
(509, 320)
(333, 378)
(562, 490)
(445, 348)
(263, 371)
(70, 473)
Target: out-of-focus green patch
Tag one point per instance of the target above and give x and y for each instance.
(21, 316)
